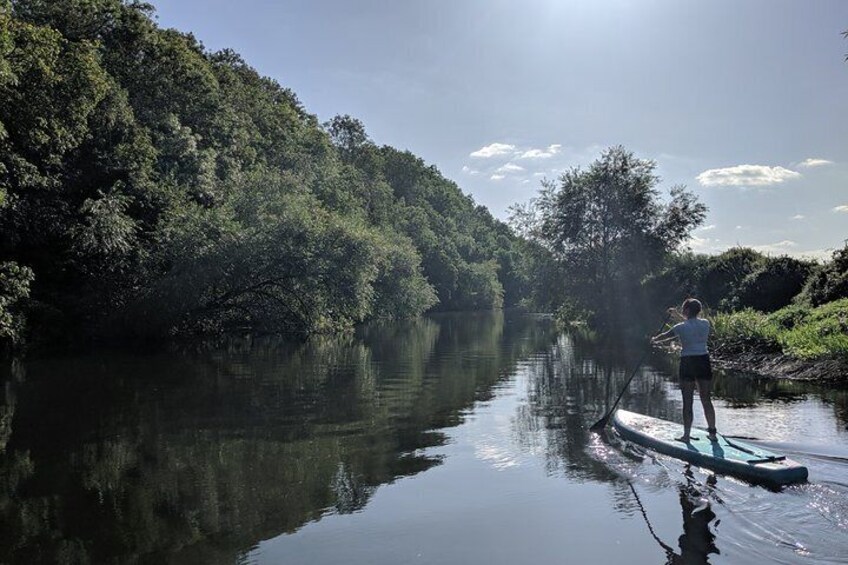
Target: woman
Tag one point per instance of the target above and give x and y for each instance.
(695, 369)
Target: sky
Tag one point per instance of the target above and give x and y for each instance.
(743, 102)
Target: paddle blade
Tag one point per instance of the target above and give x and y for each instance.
(600, 424)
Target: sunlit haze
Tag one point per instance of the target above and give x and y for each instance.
(745, 103)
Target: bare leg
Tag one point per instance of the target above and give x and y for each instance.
(688, 390)
(704, 388)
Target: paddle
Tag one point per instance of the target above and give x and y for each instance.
(602, 423)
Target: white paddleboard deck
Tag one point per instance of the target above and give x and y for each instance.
(731, 457)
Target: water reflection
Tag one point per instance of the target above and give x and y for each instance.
(195, 456)
(697, 542)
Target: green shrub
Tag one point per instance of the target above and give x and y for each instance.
(790, 316)
(797, 330)
(720, 278)
(828, 282)
(746, 329)
(737, 279)
(824, 333)
(771, 286)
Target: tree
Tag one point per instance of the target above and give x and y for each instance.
(149, 187)
(772, 286)
(609, 228)
(347, 134)
(829, 281)
(721, 276)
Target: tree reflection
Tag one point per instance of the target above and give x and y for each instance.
(196, 455)
(571, 386)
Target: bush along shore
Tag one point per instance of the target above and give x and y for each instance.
(798, 341)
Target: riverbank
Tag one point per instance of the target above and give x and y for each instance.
(796, 342)
(782, 366)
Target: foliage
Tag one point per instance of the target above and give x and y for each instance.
(302, 272)
(459, 242)
(772, 285)
(745, 330)
(799, 331)
(15, 282)
(737, 279)
(823, 333)
(608, 228)
(829, 281)
(723, 274)
(154, 187)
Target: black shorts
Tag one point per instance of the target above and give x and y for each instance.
(695, 367)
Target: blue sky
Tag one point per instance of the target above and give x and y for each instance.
(745, 103)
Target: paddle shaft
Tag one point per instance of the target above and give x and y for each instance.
(603, 421)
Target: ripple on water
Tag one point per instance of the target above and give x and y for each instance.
(799, 524)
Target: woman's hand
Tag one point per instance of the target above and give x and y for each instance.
(675, 314)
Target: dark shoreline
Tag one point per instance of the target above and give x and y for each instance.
(781, 366)
(775, 365)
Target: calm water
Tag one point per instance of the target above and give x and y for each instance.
(455, 439)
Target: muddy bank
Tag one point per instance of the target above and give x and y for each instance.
(778, 365)
(773, 364)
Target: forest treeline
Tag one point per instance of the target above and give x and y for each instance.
(610, 241)
(150, 187)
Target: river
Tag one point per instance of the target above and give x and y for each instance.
(450, 439)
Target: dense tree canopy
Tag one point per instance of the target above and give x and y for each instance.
(736, 279)
(149, 186)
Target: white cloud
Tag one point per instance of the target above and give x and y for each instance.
(746, 175)
(814, 162)
(497, 177)
(493, 150)
(509, 168)
(815, 254)
(798, 217)
(708, 228)
(469, 171)
(779, 248)
(790, 248)
(843, 209)
(541, 153)
(538, 174)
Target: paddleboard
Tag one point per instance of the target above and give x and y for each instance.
(728, 456)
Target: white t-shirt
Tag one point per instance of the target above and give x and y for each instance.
(693, 334)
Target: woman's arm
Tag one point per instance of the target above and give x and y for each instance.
(664, 336)
(670, 333)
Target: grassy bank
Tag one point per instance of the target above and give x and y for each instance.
(800, 332)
